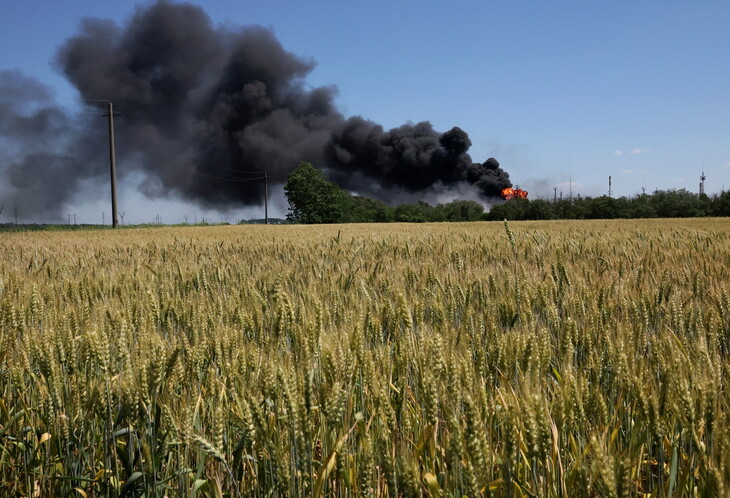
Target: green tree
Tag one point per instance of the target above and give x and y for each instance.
(641, 207)
(366, 210)
(721, 204)
(679, 204)
(540, 209)
(462, 210)
(603, 207)
(415, 213)
(515, 209)
(314, 199)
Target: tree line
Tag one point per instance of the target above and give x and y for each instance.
(315, 199)
(661, 204)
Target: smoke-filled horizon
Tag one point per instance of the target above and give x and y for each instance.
(205, 109)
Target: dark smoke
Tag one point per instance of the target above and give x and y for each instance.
(204, 107)
(45, 155)
(411, 157)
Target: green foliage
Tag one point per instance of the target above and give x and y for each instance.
(669, 204)
(462, 210)
(720, 205)
(516, 209)
(453, 211)
(415, 213)
(314, 199)
(366, 210)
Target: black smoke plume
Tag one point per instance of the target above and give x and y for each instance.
(204, 108)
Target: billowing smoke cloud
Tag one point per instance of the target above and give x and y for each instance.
(410, 157)
(44, 154)
(203, 109)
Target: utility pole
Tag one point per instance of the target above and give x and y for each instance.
(112, 164)
(266, 197)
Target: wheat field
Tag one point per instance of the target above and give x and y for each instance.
(480, 359)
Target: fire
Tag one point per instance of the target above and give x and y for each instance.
(514, 193)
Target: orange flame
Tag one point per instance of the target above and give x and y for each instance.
(514, 193)
(508, 193)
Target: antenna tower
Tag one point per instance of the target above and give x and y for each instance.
(702, 183)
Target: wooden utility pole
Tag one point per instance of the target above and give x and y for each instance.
(112, 165)
(266, 197)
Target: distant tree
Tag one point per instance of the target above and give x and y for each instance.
(462, 211)
(679, 204)
(515, 209)
(623, 208)
(603, 207)
(641, 207)
(663, 204)
(540, 209)
(314, 199)
(415, 213)
(720, 205)
(366, 210)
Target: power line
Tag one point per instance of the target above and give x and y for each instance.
(260, 173)
(223, 174)
(223, 170)
(229, 179)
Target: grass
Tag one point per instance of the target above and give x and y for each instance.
(570, 359)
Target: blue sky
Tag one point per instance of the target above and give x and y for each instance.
(639, 90)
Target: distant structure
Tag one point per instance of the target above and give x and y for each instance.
(702, 183)
(610, 192)
(571, 189)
